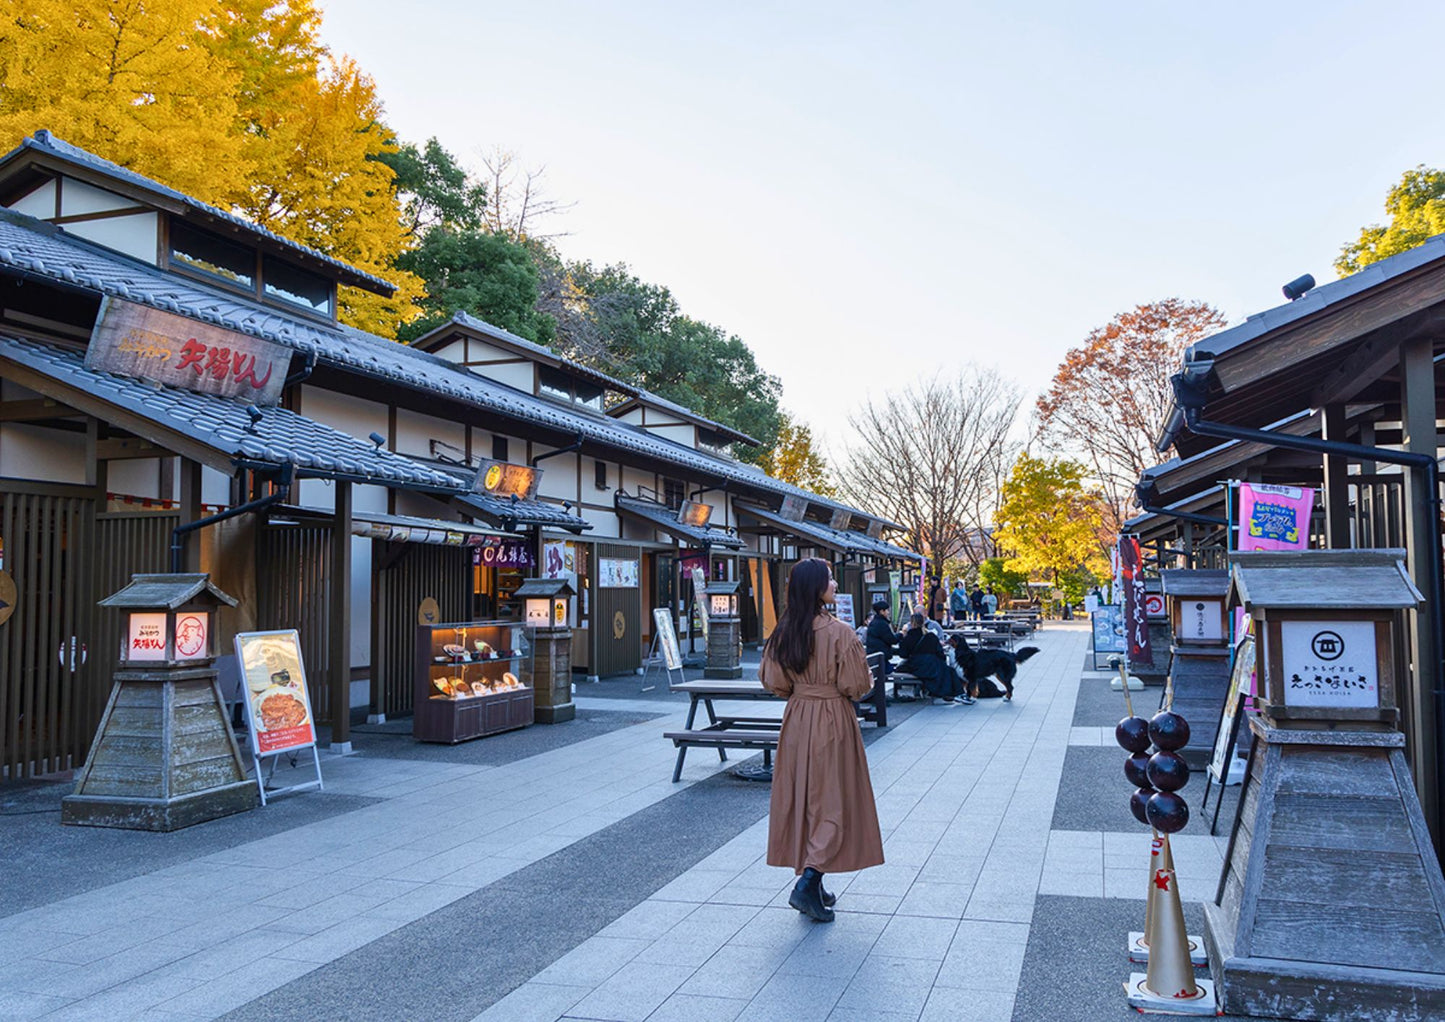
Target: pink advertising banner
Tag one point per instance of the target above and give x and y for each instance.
(1274, 517)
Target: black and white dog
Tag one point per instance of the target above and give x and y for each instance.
(978, 665)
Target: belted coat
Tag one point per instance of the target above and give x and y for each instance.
(822, 812)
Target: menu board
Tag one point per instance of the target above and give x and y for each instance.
(278, 708)
(1108, 622)
(667, 638)
(843, 606)
(616, 573)
(1240, 681)
(699, 594)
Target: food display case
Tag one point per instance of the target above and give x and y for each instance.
(470, 680)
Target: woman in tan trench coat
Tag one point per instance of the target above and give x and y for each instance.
(823, 818)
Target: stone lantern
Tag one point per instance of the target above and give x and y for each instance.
(1332, 904)
(1197, 604)
(546, 609)
(163, 756)
(724, 637)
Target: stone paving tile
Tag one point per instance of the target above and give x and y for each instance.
(534, 1002)
(632, 993)
(682, 1007)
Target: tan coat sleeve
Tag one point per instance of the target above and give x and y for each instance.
(854, 679)
(774, 678)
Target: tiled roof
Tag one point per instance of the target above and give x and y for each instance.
(660, 516)
(541, 352)
(45, 142)
(32, 246)
(510, 513)
(222, 425)
(837, 539)
(647, 397)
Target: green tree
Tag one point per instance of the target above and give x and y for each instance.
(1005, 580)
(481, 273)
(793, 459)
(435, 190)
(1049, 523)
(1417, 211)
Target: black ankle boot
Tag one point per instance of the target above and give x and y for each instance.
(807, 897)
(828, 899)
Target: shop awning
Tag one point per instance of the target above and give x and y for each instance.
(514, 513)
(399, 528)
(214, 431)
(664, 518)
(842, 540)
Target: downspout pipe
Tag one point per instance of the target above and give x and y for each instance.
(179, 533)
(575, 445)
(1189, 395)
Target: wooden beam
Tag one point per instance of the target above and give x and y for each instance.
(123, 448)
(1362, 367)
(338, 667)
(1337, 487)
(37, 408)
(190, 501)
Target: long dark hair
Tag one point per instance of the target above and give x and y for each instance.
(791, 644)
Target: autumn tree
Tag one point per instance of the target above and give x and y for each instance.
(794, 458)
(1416, 207)
(1050, 524)
(931, 457)
(1109, 399)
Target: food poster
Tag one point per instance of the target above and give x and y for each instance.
(277, 705)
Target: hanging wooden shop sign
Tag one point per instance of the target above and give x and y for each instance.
(149, 344)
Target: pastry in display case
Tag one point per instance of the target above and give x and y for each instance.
(468, 680)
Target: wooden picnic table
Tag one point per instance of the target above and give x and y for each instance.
(986, 634)
(724, 731)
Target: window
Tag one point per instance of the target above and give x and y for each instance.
(499, 448)
(553, 384)
(215, 257)
(589, 395)
(295, 286)
(599, 474)
(674, 492)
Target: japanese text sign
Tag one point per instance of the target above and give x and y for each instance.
(1274, 517)
(1136, 612)
(502, 479)
(1330, 663)
(149, 344)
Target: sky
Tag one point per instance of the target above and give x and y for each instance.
(872, 194)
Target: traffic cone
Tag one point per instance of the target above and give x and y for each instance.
(1169, 986)
(1160, 857)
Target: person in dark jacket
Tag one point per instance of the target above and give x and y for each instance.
(975, 603)
(925, 660)
(937, 600)
(880, 636)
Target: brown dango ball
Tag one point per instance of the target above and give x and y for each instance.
(1167, 812)
(1132, 734)
(1138, 804)
(1136, 770)
(1169, 731)
(1167, 771)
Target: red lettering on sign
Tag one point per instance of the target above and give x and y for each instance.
(247, 373)
(192, 354)
(219, 363)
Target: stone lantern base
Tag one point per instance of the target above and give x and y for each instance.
(163, 757)
(723, 649)
(549, 672)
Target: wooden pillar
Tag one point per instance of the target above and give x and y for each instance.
(1417, 396)
(190, 501)
(339, 629)
(1337, 486)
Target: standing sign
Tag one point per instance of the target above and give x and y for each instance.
(667, 639)
(1108, 625)
(1274, 517)
(1240, 683)
(149, 344)
(278, 707)
(843, 604)
(699, 596)
(1330, 663)
(1136, 609)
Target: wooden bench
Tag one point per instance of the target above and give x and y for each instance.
(727, 733)
(874, 706)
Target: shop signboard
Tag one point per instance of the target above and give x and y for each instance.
(875, 528)
(278, 707)
(841, 519)
(537, 613)
(794, 508)
(617, 573)
(503, 479)
(501, 552)
(843, 606)
(694, 514)
(1154, 604)
(1201, 620)
(699, 594)
(1330, 663)
(147, 343)
(1136, 609)
(147, 638)
(1108, 625)
(1274, 517)
(667, 639)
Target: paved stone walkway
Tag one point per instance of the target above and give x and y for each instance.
(965, 796)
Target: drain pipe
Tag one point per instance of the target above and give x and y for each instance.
(1189, 395)
(179, 533)
(575, 445)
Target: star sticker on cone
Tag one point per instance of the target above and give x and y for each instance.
(1161, 880)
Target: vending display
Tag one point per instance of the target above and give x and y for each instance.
(469, 680)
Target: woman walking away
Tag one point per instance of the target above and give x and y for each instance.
(822, 818)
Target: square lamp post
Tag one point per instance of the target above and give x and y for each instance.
(163, 756)
(724, 637)
(1331, 903)
(546, 609)
(1197, 603)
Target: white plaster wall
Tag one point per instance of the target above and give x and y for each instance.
(634, 480)
(136, 477)
(368, 498)
(517, 375)
(559, 475)
(39, 203)
(414, 433)
(606, 524)
(215, 486)
(685, 435)
(47, 455)
(135, 235)
(318, 493)
(342, 411)
(632, 415)
(453, 352)
(78, 198)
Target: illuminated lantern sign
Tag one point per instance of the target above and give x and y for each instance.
(502, 479)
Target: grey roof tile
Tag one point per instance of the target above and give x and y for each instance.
(33, 246)
(224, 426)
(662, 517)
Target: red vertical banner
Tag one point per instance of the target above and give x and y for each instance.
(1136, 613)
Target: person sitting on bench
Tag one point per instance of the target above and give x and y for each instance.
(925, 660)
(881, 638)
